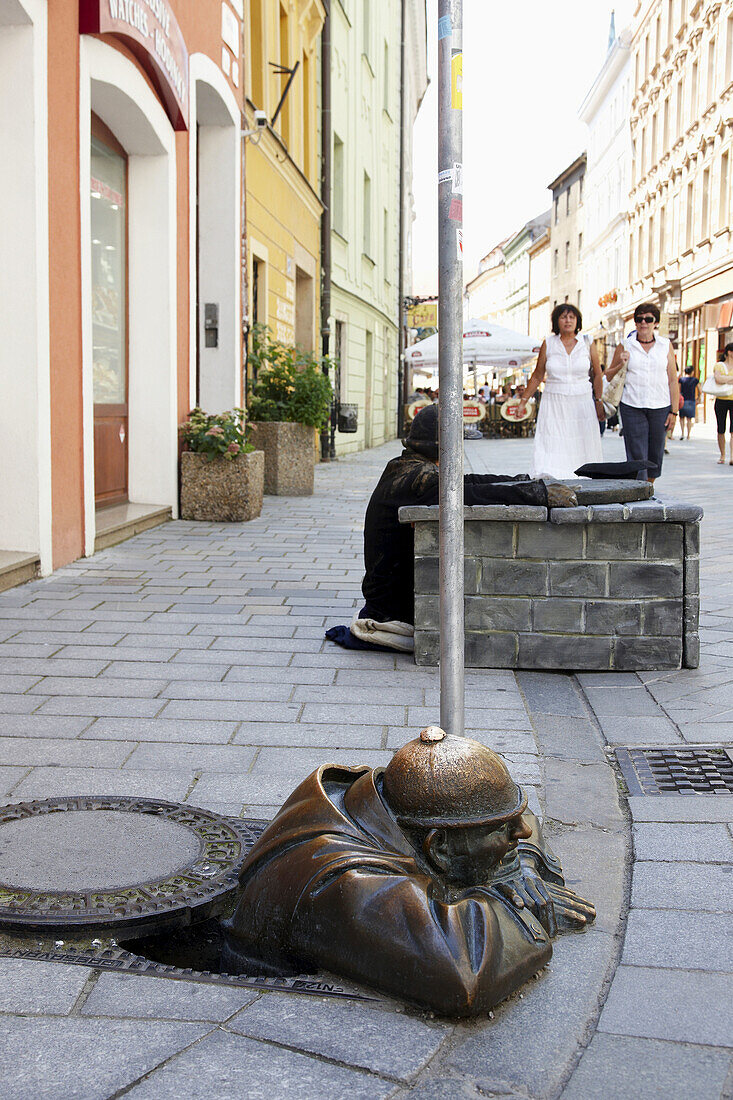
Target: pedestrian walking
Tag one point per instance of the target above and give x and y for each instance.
(689, 396)
(567, 434)
(724, 405)
(651, 395)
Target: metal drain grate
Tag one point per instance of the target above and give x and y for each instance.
(677, 770)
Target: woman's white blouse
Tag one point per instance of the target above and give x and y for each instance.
(647, 382)
(567, 373)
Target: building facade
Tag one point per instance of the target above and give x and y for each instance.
(516, 308)
(681, 251)
(566, 233)
(282, 178)
(120, 237)
(485, 294)
(367, 194)
(604, 259)
(539, 285)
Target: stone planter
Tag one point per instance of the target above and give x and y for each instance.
(289, 456)
(219, 490)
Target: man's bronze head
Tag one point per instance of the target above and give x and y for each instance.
(458, 804)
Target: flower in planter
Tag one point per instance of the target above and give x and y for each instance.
(290, 383)
(215, 434)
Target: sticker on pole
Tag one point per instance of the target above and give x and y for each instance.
(456, 69)
(446, 176)
(459, 243)
(445, 30)
(457, 177)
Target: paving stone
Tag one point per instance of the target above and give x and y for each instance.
(350, 1033)
(340, 736)
(632, 702)
(21, 704)
(42, 725)
(581, 793)
(296, 763)
(158, 729)
(648, 1002)
(232, 710)
(33, 751)
(237, 691)
(672, 843)
(647, 1069)
(371, 714)
(575, 739)
(650, 730)
(9, 779)
(135, 996)
(694, 807)
(78, 1059)
(225, 1065)
(551, 693)
(595, 866)
(34, 987)
(200, 757)
(685, 941)
(677, 885)
(531, 1041)
(54, 782)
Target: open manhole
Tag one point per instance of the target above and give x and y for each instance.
(131, 885)
(677, 770)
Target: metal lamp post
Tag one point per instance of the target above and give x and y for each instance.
(450, 361)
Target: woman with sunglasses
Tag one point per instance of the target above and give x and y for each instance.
(651, 393)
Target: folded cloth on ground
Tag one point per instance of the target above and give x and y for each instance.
(393, 634)
(342, 636)
(612, 469)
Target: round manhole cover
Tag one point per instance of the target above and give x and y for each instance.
(128, 865)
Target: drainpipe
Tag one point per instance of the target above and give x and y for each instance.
(402, 390)
(328, 446)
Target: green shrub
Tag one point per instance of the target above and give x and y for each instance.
(215, 434)
(290, 383)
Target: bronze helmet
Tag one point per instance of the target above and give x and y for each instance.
(439, 779)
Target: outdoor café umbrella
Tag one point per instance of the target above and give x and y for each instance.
(484, 344)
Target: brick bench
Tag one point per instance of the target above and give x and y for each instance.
(601, 586)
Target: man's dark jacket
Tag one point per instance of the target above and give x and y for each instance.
(388, 544)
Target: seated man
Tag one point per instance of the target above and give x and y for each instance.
(427, 880)
(413, 478)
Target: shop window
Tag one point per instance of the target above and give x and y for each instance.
(304, 309)
(307, 128)
(339, 185)
(367, 215)
(724, 191)
(257, 52)
(109, 314)
(711, 72)
(284, 64)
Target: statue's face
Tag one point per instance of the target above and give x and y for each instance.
(469, 857)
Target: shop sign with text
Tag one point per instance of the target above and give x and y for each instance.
(152, 32)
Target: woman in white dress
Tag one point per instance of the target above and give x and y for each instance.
(568, 434)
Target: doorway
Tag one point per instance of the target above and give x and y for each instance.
(109, 286)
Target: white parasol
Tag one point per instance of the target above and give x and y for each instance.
(484, 344)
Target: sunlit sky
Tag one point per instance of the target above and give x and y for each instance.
(527, 67)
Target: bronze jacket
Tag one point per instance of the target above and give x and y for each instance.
(333, 884)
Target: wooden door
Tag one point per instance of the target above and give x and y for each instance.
(109, 314)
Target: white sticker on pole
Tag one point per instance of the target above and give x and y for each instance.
(459, 241)
(445, 176)
(457, 179)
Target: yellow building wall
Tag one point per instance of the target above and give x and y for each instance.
(281, 169)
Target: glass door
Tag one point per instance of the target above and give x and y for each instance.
(109, 315)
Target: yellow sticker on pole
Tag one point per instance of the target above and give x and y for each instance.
(456, 68)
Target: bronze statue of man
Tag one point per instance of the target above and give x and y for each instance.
(427, 880)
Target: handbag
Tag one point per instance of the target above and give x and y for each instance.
(717, 389)
(613, 390)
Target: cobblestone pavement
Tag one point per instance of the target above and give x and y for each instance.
(189, 664)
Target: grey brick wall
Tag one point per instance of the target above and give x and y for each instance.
(609, 586)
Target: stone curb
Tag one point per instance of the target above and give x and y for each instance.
(538, 1036)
